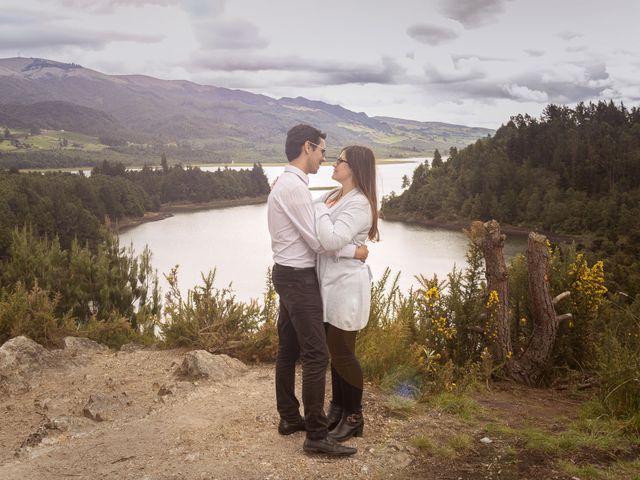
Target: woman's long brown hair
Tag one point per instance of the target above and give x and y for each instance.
(362, 163)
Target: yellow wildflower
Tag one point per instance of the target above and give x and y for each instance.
(493, 298)
(432, 294)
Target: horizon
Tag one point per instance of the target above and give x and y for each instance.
(472, 63)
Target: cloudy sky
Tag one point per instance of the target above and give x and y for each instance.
(474, 62)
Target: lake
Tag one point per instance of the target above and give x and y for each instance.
(236, 241)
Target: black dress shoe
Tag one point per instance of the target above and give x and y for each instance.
(286, 427)
(350, 426)
(327, 446)
(334, 415)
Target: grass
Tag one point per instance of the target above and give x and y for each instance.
(400, 404)
(459, 405)
(586, 448)
(582, 435)
(50, 140)
(594, 435)
(622, 470)
(452, 446)
(6, 146)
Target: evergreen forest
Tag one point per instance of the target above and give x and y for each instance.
(59, 252)
(574, 171)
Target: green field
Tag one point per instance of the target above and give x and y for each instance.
(50, 140)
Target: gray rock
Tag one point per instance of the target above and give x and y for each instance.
(101, 407)
(486, 440)
(21, 356)
(401, 461)
(131, 347)
(61, 423)
(83, 345)
(202, 364)
(167, 390)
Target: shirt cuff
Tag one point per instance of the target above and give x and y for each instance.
(348, 251)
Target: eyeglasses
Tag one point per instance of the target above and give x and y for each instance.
(322, 150)
(341, 160)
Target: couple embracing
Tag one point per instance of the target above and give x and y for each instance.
(324, 288)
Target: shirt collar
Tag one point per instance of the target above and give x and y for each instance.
(295, 170)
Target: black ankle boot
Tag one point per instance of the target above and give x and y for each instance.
(351, 425)
(334, 415)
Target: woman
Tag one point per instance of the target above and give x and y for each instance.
(346, 215)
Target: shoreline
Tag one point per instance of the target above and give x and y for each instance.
(249, 165)
(457, 226)
(167, 210)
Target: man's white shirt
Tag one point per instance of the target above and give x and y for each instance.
(291, 219)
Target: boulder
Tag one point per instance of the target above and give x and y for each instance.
(202, 364)
(83, 345)
(21, 357)
(101, 407)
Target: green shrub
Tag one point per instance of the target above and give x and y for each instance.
(32, 313)
(212, 319)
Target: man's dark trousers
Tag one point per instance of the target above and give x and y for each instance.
(301, 335)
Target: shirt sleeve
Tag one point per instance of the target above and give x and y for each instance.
(299, 208)
(352, 220)
(349, 250)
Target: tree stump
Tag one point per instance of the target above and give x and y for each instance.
(530, 366)
(498, 324)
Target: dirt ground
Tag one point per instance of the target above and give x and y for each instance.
(159, 426)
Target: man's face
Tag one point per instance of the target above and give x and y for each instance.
(316, 155)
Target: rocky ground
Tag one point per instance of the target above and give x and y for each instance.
(89, 412)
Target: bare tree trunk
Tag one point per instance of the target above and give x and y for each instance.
(530, 366)
(498, 324)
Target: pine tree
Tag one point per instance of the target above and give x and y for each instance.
(437, 159)
(163, 162)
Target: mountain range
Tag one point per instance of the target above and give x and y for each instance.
(217, 124)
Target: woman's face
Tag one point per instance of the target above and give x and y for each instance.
(341, 169)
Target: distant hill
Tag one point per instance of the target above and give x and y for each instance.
(58, 115)
(213, 123)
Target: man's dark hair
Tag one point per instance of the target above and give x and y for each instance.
(297, 136)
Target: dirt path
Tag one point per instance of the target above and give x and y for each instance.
(160, 426)
(202, 430)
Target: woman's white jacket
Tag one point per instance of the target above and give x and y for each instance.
(345, 283)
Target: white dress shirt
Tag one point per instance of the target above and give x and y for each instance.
(345, 283)
(291, 220)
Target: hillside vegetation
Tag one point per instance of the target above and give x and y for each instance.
(573, 171)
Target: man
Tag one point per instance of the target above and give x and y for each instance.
(301, 331)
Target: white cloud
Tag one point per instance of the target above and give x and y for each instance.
(522, 93)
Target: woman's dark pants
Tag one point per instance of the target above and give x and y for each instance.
(346, 373)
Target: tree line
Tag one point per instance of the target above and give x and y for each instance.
(71, 206)
(573, 171)
(60, 262)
